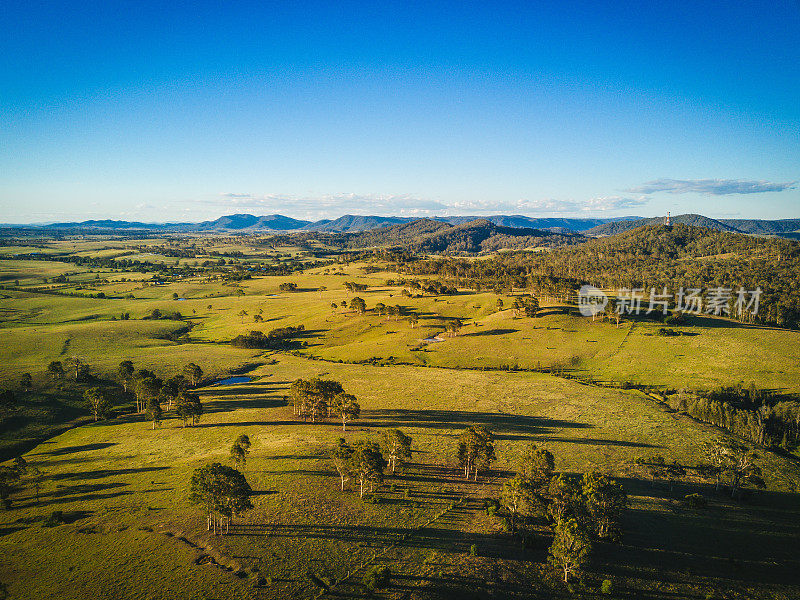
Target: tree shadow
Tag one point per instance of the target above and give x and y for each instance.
(74, 449)
(499, 423)
(100, 473)
(489, 332)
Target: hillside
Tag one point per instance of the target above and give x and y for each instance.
(688, 219)
(347, 223)
(433, 237)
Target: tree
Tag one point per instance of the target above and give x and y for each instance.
(35, 476)
(55, 369)
(475, 450)
(10, 476)
(367, 464)
(737, 461)
(413, 320)
(26, 382)
(79, 364)
(221, 491)
(538, 466)
(340, 456)
(97, 403)
(154, 411)
(346, 407)
(570, 549)
(240, 450)
(565, 499)
(188, 406)
(358, 305)
(125, 372)
(146, 386)
(313, 398)
(7, 399)
(453, 326)
(174, 387)
(193, 373)
(516, 496)
(288, 287)
(605, 502)
(398, 447)
(257, 318)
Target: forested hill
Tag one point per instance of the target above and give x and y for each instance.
(780, 227)
(434, 237)
(650, 256)
(689, 219)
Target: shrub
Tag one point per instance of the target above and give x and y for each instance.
(56, 518)
(378, 577)
(473, 550)
(607, 587)
(696, 500)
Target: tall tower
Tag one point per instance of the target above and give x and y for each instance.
(666, 221)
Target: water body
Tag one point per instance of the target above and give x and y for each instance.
(232, 380)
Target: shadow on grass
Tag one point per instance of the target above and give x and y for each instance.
(74, 449)
(100, 473)
(500, 424)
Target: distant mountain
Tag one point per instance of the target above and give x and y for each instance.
(250, 222)
(348, 223)
(688, 219)
(437, 237)
(247, 223)
(555, 224)
(762, 227)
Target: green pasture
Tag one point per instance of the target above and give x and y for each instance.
(123, 489)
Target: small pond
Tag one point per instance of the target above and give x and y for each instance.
(232, 380)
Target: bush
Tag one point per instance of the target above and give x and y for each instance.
(56, 518)
(607, 587)
(378, 577)
(473, 550)
(696, 500)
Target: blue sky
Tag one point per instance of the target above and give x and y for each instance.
(141, 111)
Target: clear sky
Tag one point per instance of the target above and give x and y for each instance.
(161, 112)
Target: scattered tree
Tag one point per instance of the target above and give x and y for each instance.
(475, 450)
(570, 549)
(240, 450)
(358, 305)
(398, 447)
(154, 411)
(193, 373)
(605, 502)
(188, 407)
(55, 369)
(26, 382)
(346, 407)
(340, 456)
(125, 372)
(367, 464)
(222, 491)
(97, 403)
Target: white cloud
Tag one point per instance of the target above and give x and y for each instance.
(714, 187)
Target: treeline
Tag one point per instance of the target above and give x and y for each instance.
(750, 413)
(281, 338)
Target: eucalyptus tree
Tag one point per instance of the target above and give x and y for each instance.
(398, 447)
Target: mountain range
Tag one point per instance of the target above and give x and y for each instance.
(596, 227)
(246, 223)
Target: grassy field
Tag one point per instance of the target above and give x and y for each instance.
(129, 531)
(124, 489)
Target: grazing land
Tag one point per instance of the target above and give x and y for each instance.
(110, 514)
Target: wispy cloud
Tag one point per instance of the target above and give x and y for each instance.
(328, 205)
(335, 205)
(714, 187)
